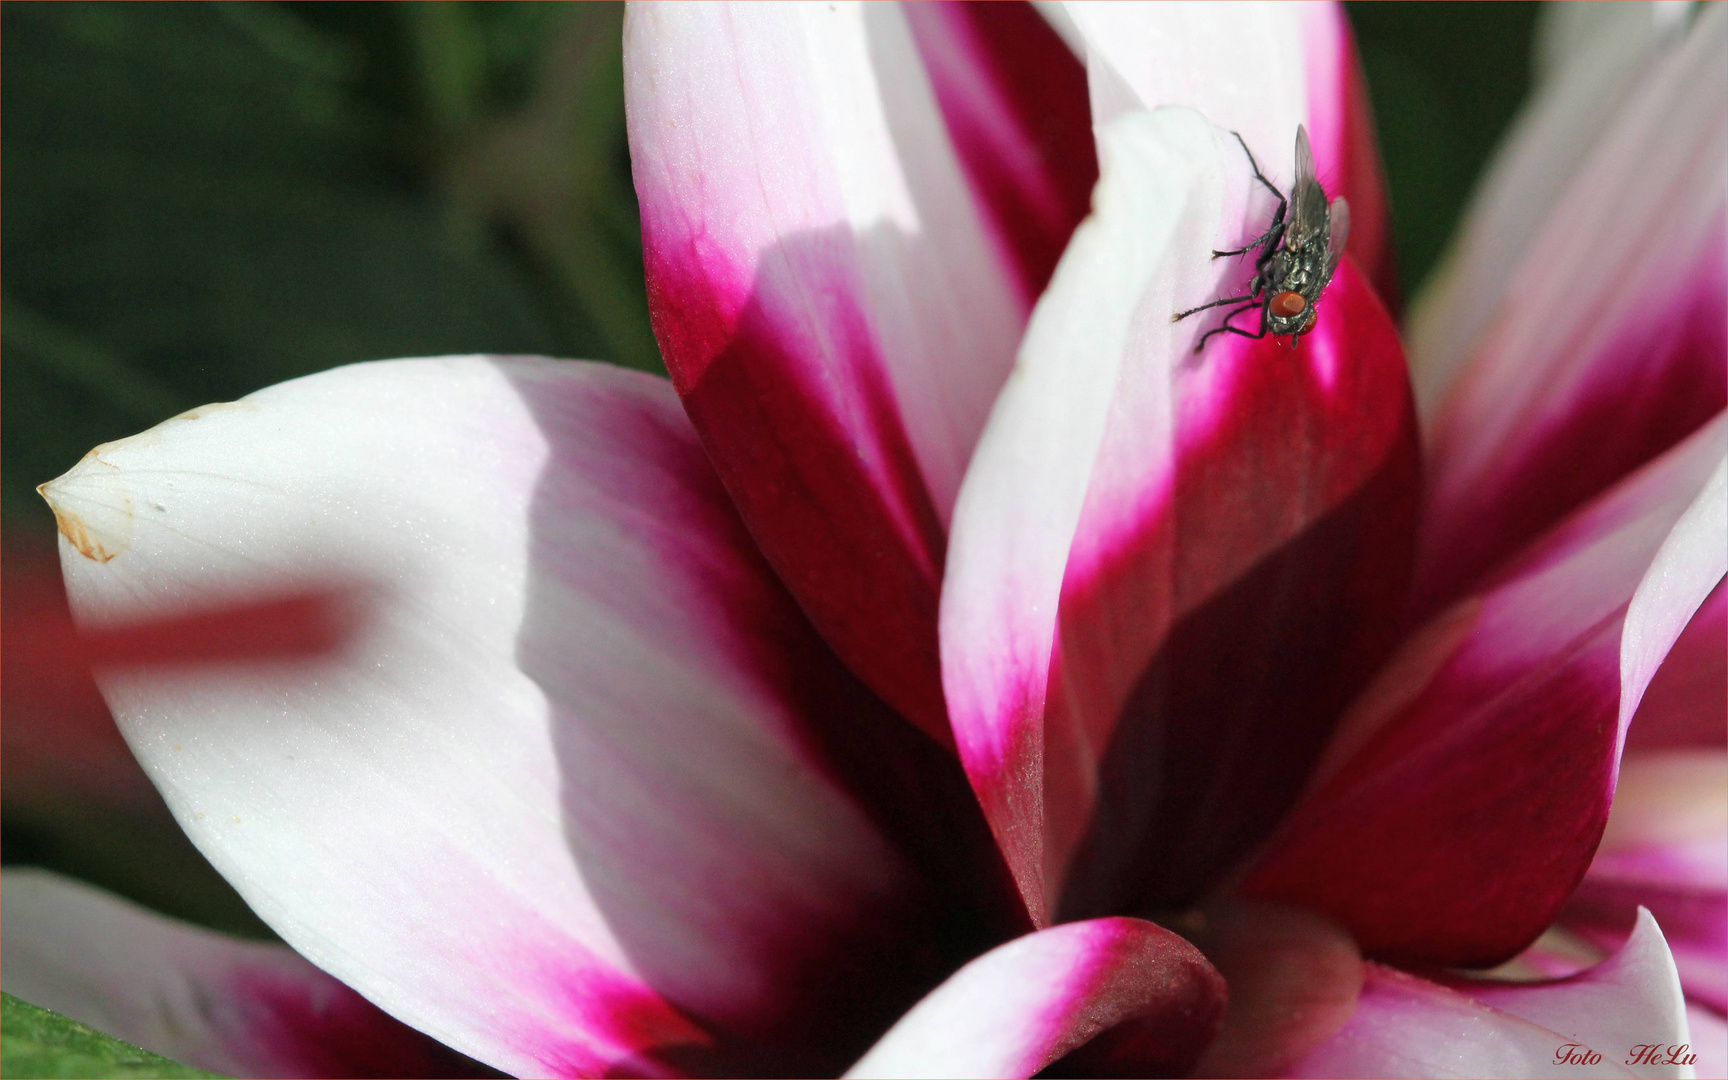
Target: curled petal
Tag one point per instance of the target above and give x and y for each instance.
(1665, 849)
(1583, 1026)
(1609, 342)
(567, 760)
(241, 1008)
(1631, 998)
(1426, 832)
(1687, 568)
(1024, 1005)
(1134, 505)
(829, 300)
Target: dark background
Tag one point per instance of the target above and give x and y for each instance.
(204, 199)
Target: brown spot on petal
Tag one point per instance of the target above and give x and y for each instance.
(100, 527)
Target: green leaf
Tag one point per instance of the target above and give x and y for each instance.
(39, 1043)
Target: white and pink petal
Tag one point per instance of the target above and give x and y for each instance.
(1425, 831)
(830, 299)
(1609, 343)
(1013, 96)
(1686, 701)
(240, 1008)
(1665, 849)
(559, 795)
(1125, 485)
(1586, 1025)
(1259, 69)
(1589, 57)
(1124, 996)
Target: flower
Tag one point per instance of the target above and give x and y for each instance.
(888, 689)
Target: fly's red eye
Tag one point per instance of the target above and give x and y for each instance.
(1288, 305)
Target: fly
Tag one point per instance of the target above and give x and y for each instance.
(1298, 254)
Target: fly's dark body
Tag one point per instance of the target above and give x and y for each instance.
(1298, 253)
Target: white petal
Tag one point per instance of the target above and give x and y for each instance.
(556, 792)
(1242, 66)
(1631, 998)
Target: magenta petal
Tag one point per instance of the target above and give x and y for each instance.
(1688, 699)
(1014, 98)
(1294, 978)
(1026, 1004)
(1429, 834)
(1221, 622)
(829, 299)
(1611, 341)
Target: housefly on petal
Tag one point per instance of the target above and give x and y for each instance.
(1296, 255)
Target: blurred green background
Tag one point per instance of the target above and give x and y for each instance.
(204, 199)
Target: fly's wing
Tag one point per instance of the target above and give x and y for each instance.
(1340, 235)
(1304, 155)
(1307, 198)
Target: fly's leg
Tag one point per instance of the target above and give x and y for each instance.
(1276, 231)
(1260, 176)
(1226, 328)
(1180, 315)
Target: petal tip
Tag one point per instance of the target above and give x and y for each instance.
(92, 512)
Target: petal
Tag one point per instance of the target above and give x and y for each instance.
(566, 765)
(1709, 1041)
(1590, 57)
(829, 300)
(1428, 831)
(1294, 978)
(1632, 998)
(1689, 566)
(1584, 1026)
(1408, 1027)
(1609, 343)
(1025, 1004)
(1259, 69)
(1688, 698)
(1132, 505)
(1666, 849)
(1244, 69)
(242, 1008)
(1014, 100)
